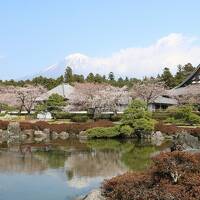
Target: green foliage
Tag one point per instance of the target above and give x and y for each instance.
(182, 73)
(55, 102)
(126, 130)
(54, 105)
(193, 119)
(68, 75)
(183, 114)
(109, 132)
(77, 118)
(138, 118)
(167, 78)
(40, 108)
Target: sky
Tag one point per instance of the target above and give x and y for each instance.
(129, 37)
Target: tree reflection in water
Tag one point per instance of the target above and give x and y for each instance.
(82, 161)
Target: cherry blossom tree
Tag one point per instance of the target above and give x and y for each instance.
(148, 90)
(26, 97)
(99, 97)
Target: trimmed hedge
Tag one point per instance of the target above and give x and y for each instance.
(103, 132)
(67, 127)
(80, 118)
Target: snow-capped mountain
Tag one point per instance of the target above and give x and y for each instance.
(78, 62)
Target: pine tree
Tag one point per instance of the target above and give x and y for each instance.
(167, 78)
(68, 75)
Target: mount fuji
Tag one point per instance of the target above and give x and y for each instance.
(80, 64)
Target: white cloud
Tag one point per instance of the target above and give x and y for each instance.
(168, 51)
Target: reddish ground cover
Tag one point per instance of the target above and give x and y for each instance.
(67, 127)
(173, 176)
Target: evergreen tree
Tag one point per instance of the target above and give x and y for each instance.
(78, 78)
(111, 76)
(98, 78)
(90, 78)
(167, 78)
(183, 72)
(68, 75)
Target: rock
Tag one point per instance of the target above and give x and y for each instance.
(185, 141)
(29, 133)
(63, 135)
(40, 135)
(93, 195)
(14, 128)
(46, 131)
(157, 138)
(82, 135)
(54, 135)
(14, 132)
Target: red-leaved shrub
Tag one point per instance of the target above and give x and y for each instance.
(67, 127)
(3, 124)
(173, 176)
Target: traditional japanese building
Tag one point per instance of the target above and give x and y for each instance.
(190, 87)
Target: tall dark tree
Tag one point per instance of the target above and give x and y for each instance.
(183, 72)
(167, 78)
(90, 78)
(68, 75)
(111, 76)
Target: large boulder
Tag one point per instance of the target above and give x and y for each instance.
(185, 141)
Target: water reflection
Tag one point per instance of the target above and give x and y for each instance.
(70, 168)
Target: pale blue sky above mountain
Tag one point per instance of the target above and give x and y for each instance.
(131, 37)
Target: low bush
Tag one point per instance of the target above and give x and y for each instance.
(183, 114)
(109, 132)
(67, 127)
(3, 124)
(173, 175)
(126, 130)
(167, 129)
(78, 118)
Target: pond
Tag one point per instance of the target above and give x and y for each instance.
(64, 170)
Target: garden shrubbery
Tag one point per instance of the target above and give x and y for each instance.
(3, 124)
(81, 118)
(173, 175)
(98, 132)
(138, 118)
(136, 121)
(183, 115)
(67, 127)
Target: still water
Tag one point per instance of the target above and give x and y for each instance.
(64, 170)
